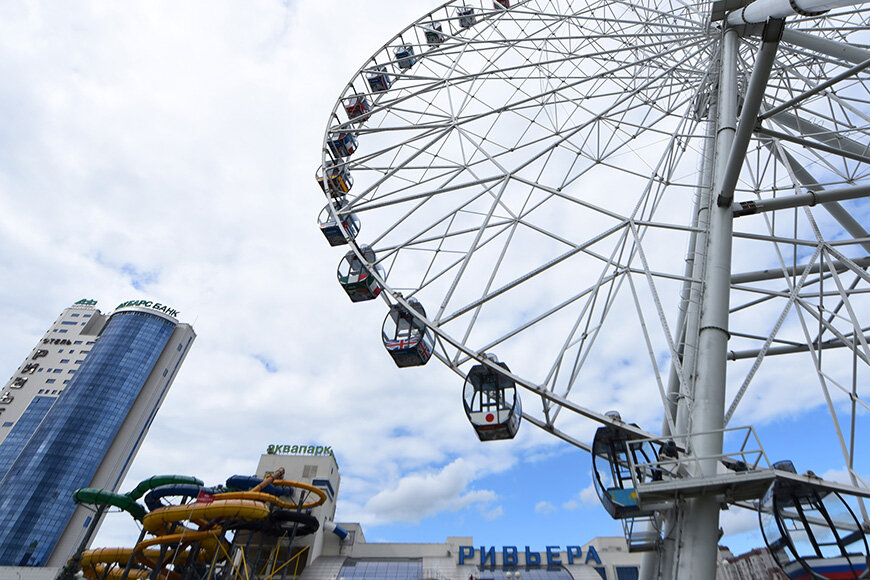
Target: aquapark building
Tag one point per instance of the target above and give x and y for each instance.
(74, 414)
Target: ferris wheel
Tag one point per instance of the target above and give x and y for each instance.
(649, 204)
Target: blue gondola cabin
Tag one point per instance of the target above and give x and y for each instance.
(405, 58)
(614, 452)
(379, 81)
(329, 226)
(342, 145)
(356, 278)
(358, 108)
(407, 339)
(491, 402)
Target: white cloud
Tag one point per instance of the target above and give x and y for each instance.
(494, 513)
(544, 507)
(417, 496)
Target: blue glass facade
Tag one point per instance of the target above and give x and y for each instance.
(397, 569)
(21, 432)
(66, 449)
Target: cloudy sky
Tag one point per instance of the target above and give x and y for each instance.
(166, 151)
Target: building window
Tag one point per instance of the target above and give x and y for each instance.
(179, 347)
(602, 571)
(8, 423)
(71, 372)
(309, 471)
(72, 322)
(55, 371)
(49, 381)
(74, 315)
(86, 316)
(80, 361)
(64, 360)
(77, 342)
(627, 573)
(165, 372)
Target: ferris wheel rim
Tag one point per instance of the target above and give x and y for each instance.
(396, 295)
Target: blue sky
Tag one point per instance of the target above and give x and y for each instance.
(167, 151)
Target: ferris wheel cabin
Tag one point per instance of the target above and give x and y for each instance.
(358, 108)
(356, 278)
(492, 403)
(813, 532)
(335, 179)
(467, 19)
(343, 145)
(405, 58)
(616, 456)
(434, 34)
(405, 337)
(501, 4)
(379, 81)
(329, 226)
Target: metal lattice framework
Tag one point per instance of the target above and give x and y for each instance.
(535, 180)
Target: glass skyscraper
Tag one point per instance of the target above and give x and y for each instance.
(87, 434)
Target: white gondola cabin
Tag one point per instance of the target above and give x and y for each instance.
(329, 226)
(434, 34)
(492, 403)
(467, 19)
(813, 532)
(407, 339)
(405, 58)
(379, 81)
(614, 451)
(342, 145)
(334, 179)
(356, 278)
(358, 108)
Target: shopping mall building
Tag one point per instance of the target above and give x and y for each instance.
(340, 551)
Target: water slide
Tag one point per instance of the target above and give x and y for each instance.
(190, 535)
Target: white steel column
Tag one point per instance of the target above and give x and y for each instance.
(699, 522)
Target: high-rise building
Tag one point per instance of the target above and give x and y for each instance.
(74, 415)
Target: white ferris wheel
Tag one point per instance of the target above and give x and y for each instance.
(638, 204)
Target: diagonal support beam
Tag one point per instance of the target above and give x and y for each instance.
(852, 71)
(836, 143)
(751, 105)
(812, 144)
(832, 48)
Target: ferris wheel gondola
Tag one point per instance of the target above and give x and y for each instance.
(813, 533)
(355, 275)
(491, 402)
(618, 458)
(329, 226)
(406, 337)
